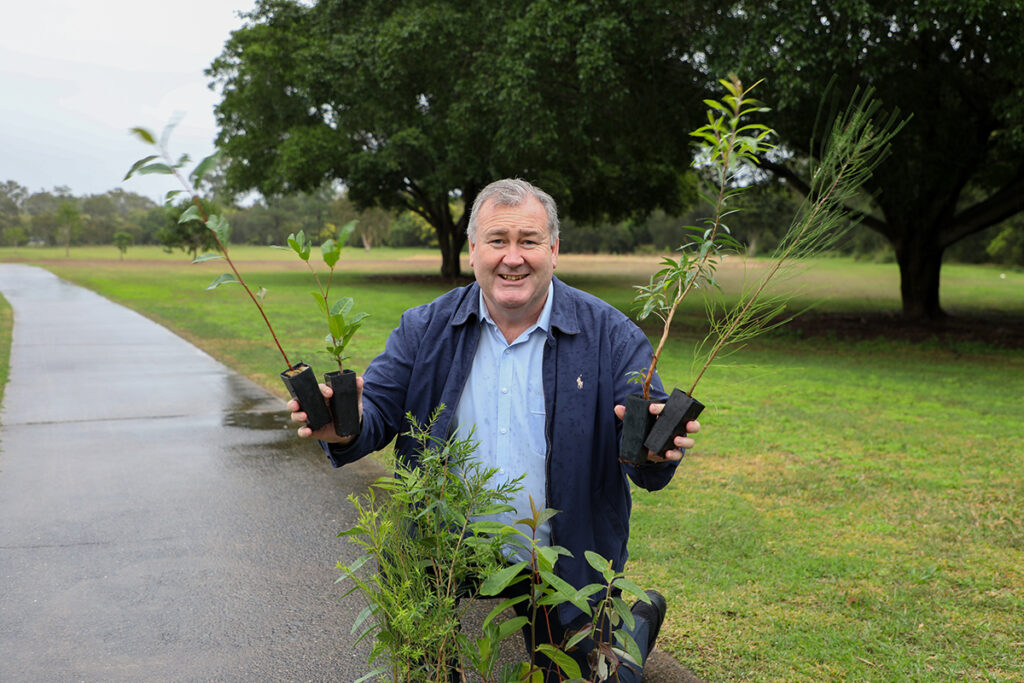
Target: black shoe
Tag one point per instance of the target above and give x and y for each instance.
(654, 613)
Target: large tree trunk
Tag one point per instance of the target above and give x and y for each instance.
(920, 263)
(450, 240)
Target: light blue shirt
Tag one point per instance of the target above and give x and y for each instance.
(504, 399)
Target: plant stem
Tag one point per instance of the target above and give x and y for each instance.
(723, 186)
(224, 250)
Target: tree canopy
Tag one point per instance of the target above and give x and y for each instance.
(956, 67)
(411, 104)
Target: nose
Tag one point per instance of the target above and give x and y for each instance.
(513, 255)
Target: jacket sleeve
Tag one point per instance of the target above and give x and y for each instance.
(636, 354)
(385, 386)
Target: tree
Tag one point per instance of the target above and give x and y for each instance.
(191, 236)
(412, 104)
(123, 240)
(956, 67)
(69, 223)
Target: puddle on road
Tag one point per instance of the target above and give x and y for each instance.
(257, 420)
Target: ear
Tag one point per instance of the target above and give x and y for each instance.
(554, 254)
(472, 250)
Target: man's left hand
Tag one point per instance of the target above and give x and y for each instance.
(682, 442)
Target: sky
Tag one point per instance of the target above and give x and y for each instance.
(75, 76)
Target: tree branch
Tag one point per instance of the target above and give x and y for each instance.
(798, 184)
(997, 207)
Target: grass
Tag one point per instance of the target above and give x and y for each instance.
(853, 509)
(6, 325)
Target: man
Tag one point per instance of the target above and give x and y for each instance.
(540, 369)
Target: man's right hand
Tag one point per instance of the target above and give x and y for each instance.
(325, 433)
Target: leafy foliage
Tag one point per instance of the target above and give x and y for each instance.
(853, 147)
(342, 324)
(423, 526)
(412, 104)
(957, 68)
(215, 223)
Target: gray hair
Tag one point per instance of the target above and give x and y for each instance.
(513, 192)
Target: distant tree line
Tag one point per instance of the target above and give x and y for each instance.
(122, 219)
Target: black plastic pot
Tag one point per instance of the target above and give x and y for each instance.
(303, 387)
(344, 402)
(636, 425)
(679, 409)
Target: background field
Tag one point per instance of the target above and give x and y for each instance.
(853, 508)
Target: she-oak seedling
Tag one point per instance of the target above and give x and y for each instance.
(298, 377)
(730, 146)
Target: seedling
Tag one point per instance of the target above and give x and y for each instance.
(298, 378)
(856, 144)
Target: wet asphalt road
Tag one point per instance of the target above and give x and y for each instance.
(159, 520)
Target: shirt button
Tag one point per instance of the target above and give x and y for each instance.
(503, 430)
(504, 390)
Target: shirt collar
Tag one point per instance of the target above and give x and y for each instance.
(543, 321)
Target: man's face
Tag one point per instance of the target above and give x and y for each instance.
(513, 259)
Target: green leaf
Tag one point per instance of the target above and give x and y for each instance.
(204, 167)
(192, 213)
(207, 257)
(331, 252)
(600, 564)
(342, 306)
(501, 579)
(139, 164)
(631, 588)
(299, 244)
(346, 232)
(362, 616)
(171, 195)
(219, 226)
(144, 135)
(566, 663)
(224, 279)
(502, 606)
(156, 168)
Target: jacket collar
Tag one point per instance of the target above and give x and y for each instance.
(563, 308)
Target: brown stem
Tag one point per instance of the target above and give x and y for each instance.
(238, 276)
(719, 203)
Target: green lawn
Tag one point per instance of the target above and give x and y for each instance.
(6, 324)
(853, 509)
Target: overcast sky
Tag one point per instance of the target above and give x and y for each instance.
(75, 76)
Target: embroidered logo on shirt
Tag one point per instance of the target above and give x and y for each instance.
(579, 382)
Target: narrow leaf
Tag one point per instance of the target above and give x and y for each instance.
(192, 213)
(144, 135)
(222, 280)
(207, 257)
(156, 168)
(501, 579)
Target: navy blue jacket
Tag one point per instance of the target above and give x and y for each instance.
(590, 348)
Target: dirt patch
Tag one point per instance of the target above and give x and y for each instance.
(999, 330)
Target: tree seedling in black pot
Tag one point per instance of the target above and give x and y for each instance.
(298, 378)
(341, 325)
(854, 146)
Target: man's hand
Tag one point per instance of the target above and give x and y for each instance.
(681, 442)
(325, 433)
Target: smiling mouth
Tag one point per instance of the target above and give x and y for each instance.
(512, 278)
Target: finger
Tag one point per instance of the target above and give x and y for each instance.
(304, 432)
(326, 391)
(692, 427)
(292, 405)
(299, 416)
(620, 412)
(673, 455)
(684, 442)
(656, 408)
